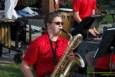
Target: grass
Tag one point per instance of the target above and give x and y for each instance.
(108, 18)
(10, 70)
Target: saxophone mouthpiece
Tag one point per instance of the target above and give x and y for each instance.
(67, 33)
(64, 31)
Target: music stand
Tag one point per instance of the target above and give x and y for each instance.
(84, 26)
(88, 21)
(107, 45)
(107, 42)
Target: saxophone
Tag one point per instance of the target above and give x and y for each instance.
(64, 66)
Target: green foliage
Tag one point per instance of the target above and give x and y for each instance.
(10, 70)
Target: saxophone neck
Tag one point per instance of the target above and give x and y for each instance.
(69, 34)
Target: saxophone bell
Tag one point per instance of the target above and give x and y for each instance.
(79, 60)
(65, 65)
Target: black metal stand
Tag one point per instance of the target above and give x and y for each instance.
(0, 50)
(107, 45)
(84, 26)
(110, 63)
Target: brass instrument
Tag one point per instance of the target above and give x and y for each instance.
(63, 67)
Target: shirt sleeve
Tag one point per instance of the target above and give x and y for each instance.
(76, 5)
(31, 54)
(94, 4)
(113, 58)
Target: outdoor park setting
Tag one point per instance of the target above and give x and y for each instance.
(17, 33)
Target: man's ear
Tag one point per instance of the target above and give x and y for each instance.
(48, 24)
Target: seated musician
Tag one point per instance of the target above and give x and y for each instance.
(83, 9)
(103, 60)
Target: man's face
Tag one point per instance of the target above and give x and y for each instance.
(56, 25)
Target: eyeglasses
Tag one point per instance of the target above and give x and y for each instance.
(58, 23)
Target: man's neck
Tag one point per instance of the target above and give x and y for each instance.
(53, 37)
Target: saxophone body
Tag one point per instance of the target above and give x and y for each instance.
(64, 65)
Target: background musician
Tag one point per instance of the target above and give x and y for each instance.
(81, 10)
(103, 60)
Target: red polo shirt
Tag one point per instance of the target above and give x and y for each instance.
(104, 62)
(39, 54)
(84, 7)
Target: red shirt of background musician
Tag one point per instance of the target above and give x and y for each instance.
(84, 7)
(113, 58)
(42, 60)
(103, 62)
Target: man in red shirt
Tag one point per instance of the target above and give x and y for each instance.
(105, 63)
(83, 9)
(46, 50)
(105, 56)
(103, 60)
